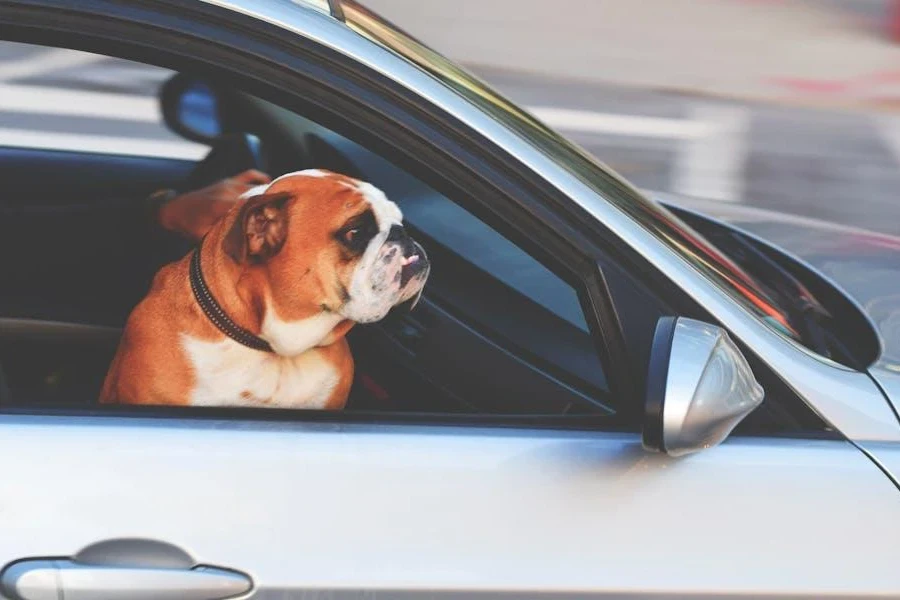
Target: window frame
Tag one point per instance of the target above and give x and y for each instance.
(344, 96)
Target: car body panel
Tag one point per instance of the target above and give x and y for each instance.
(307, 508)
(887, 456)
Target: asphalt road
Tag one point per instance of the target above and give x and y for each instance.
(839, 166)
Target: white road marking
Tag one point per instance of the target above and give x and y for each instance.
(78, 103)
(712, 166)
(889, 128)
(44, 62)
(127, 107)
(101, 144)
(709, 164)
(585, 121)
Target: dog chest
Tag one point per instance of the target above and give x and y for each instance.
(229, 374)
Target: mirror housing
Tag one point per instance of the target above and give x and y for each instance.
(191, 108)
(699, 387)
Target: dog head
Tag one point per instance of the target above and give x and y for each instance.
(327, 243)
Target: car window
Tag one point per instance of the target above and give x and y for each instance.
(496, 332)
(61, 99)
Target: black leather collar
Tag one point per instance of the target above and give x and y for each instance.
(215, 313)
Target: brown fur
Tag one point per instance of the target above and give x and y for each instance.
(250, 260)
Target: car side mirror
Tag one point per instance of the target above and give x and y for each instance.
(699, 387)
(191, 108)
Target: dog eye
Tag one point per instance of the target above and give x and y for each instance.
(357, 234)
(350, 235)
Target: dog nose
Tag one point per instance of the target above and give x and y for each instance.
(397, 233)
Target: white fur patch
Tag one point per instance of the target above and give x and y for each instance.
(263, 188)
(304, 172)
(386, 212)
(255, 191)
(370, 297)
(290, 338)
(374, 288)
(312, 173)
(230, 374)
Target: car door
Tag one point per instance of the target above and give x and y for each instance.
(409, 511)
(181, 504)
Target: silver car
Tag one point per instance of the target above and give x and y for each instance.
(604, 393)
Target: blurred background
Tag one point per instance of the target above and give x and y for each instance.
(789, 105)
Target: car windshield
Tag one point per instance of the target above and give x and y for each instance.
(662, 223)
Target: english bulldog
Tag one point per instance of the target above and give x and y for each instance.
(256, 315)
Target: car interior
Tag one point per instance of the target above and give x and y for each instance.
(495, 333)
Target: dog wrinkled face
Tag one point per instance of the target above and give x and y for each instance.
(389, 266)
(329, 243)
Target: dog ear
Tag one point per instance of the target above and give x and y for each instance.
(259, 230)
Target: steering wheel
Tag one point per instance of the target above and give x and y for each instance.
(230, 155)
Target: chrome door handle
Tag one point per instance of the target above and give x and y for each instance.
(54, 579)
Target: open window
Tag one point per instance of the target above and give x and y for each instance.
(497, 332)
